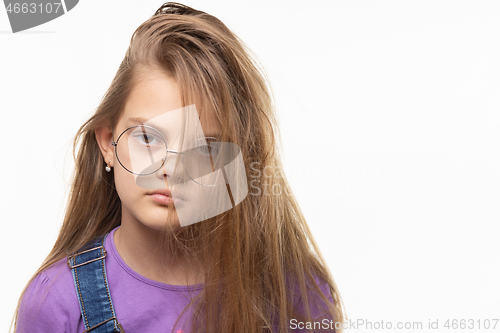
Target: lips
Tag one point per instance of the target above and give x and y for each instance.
(162, 191)
(164, 196)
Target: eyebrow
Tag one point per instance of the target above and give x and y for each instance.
(141, 121)
(136, 120)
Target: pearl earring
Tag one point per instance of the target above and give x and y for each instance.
(108, 168)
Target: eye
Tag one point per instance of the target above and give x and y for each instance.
(211, 148)
(147, 139)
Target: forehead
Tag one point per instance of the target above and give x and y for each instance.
(155, 93)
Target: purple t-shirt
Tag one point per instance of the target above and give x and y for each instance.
(50, 303)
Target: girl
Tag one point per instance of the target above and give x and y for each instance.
(173, 253)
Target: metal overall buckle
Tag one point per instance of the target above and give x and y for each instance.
(73, 256)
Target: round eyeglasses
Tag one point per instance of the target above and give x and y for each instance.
(142, 150)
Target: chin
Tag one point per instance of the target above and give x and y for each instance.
(162, 222)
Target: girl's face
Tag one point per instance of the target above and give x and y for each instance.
(151, 99)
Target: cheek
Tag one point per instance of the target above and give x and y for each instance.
(125, 184)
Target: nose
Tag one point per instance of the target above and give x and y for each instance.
(173, 168)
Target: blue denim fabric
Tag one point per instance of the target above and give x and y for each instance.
(92, 288)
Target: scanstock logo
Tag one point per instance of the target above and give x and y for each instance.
(26, 15)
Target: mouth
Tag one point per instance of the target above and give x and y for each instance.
(164, 196)
(165, 192)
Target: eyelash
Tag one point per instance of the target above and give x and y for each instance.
(214, 149)
(141, 136)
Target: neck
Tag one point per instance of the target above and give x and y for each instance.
(155, 254)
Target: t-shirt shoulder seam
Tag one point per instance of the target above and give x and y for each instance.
(54, 285)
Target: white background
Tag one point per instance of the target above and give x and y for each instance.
(389, 112)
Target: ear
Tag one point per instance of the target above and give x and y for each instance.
(104, 137)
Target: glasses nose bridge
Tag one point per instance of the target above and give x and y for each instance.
(168, 153)
(173, 164)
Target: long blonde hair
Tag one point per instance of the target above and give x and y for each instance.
(254, 253)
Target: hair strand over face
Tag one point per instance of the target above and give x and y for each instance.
(254, 255)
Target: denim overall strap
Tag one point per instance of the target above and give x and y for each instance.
(89, 275)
